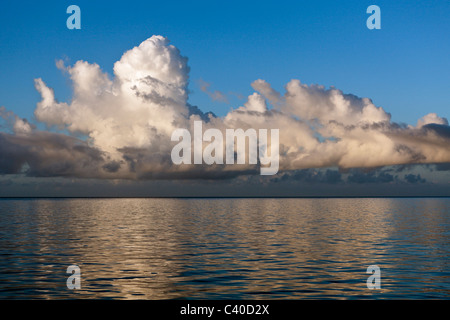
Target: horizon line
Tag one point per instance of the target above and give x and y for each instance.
(216, 197)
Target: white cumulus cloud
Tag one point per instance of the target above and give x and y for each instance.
(128, 118)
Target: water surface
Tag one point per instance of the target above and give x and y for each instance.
(225, 248)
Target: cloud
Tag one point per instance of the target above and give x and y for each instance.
(48, 154)
(215, 95)
(431, 118)
(119, 126)
(329, 176)
(358, 176)
(442, 166)
(265, 89)
(412, 178)
(14, 123)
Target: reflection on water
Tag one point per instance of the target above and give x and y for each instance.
(224, 248)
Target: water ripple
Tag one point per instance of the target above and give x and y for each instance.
(224, 248)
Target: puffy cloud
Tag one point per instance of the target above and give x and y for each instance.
(16, 124)
(147, 97)
(267, 91)
(318, 103)
(256, 103)
(431, 118)
(126, 121)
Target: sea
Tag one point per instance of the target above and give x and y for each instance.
(225, 248)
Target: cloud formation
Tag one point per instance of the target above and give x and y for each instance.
(215, 95)
(127, 120)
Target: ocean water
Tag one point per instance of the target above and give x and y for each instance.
(225, 248)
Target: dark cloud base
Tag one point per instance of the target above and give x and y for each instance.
(393, 181)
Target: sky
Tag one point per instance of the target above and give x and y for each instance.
(361, 112)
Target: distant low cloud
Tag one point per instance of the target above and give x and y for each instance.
(330, 176)
(358, 176)
(412, 178)
(119, 126)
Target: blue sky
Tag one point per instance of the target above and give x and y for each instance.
(404, 67)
